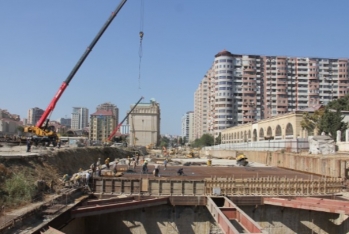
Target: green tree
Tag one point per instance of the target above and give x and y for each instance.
(331, 122)
(164, 141)
(218, 139)
(332, 119)
(205, 140)
(311, 121)
(180, 141)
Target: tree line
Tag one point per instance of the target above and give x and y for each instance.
(328, 119)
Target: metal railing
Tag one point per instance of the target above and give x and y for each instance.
(291, 145)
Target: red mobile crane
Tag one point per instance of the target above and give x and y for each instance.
(47, 134)
(119, 125)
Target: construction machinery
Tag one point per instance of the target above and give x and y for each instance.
(41, 132)
(119, 125)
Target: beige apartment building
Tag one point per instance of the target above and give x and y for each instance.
(144, 122)
(242, 89)
(102, 124)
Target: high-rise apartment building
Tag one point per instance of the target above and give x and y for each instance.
(79, 118)
(144, 123)
(110, 107)
(102, 124)
(202, 107)
(34, 114)
(103, 121)
(240, 89)
(65, 122)
(188, 126)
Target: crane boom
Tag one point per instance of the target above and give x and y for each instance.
(119, 125)
(64, 85)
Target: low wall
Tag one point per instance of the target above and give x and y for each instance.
(326, 165)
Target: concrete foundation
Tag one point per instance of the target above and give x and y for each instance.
(188, 219)
(160, 219)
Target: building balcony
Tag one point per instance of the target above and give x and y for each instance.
(249, 69)
(247, 119)
(313, 77)
(248, 92)
(281, 91)
(281, 108)
(281, 82)
(247, 108)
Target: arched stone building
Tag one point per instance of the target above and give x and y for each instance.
(280, 127)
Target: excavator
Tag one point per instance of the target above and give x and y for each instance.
(41, 132)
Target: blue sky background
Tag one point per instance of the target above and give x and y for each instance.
(42, 40)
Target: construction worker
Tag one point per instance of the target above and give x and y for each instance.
(28, 144)
(107, 163)
(156, 171)
(77, 179)
(137, 158)
(65, 179)
(134, 164)
(115, 167)
(98, 167)
(145, 167)
(165, 163)
(88, 176)
(180, 172)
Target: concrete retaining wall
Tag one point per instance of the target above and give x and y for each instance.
(159, 219)
(326, 165)
(277, 220)
(188, 219)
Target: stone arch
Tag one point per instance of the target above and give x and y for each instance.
(269, 132)
(261, 133)
(289, 130)
(254, 135)
(278, 131)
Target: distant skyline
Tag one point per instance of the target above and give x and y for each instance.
(43, 40)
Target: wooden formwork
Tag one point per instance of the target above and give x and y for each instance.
(267, 186)
(273, 186)
(117, 186)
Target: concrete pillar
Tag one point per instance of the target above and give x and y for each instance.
(347, 135)
(338, 136)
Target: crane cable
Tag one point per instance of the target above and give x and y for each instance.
(140, 51)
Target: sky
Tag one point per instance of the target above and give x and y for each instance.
(42, 40)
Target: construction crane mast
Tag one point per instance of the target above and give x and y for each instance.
(119, 125)
(41, 130)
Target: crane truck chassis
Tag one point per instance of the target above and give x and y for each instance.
(42, 133)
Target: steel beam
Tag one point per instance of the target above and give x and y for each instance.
(111, 208)
(307, 203)
(228, 212)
